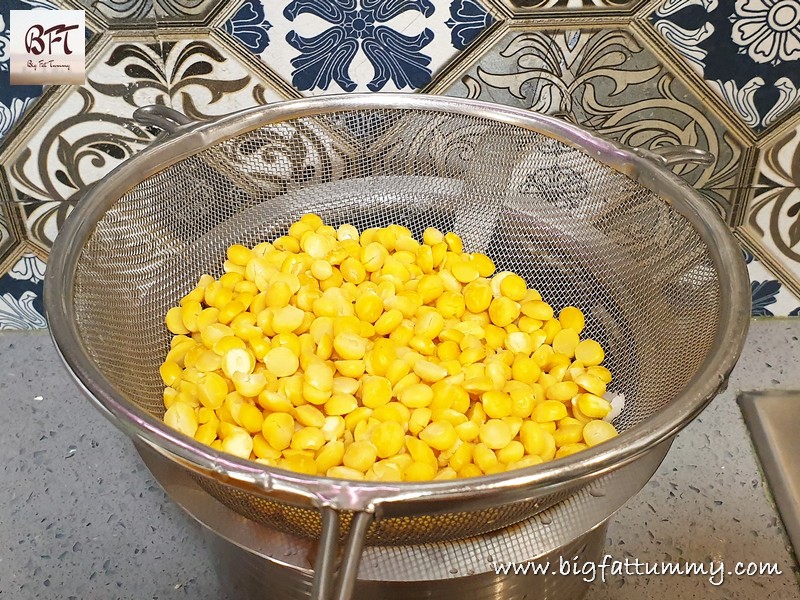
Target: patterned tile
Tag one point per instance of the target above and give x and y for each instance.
(184, 11)
(5, 232)
(747, 51)
(85, 131)
(21, 295)
(335, 46)
(468, 19)
(119, 11)
(42, 220)
(609, 82)
(88, 130)
(8, 237)
(250, 26)
(538, 7)
(203, 79)
(146, 14)
(11, 232)
(773, 209)
(769, 297)
(212, 57)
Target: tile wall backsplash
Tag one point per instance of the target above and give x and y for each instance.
(720, 75)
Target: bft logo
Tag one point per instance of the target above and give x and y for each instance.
(47, 47)
(37, 36)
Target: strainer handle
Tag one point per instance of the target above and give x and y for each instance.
(163, 117)
(326, 585)
(678, 155)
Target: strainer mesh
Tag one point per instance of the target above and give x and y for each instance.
(580, 232)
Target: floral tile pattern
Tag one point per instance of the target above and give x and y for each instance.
(610, 82)
(249, 24)
(5, 233)
(21, 295)
(201, 78)
(148, 13)
(534, 7)
(91, 129)
(773, 209)
(770, 298)
(8, 238)
(42, 220)
(719, 75)
(468, 18)
(335, 46)
(762, 35)
(120, 10)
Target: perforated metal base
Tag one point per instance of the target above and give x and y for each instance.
(261, 563)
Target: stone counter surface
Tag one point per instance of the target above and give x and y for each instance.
(81, 518)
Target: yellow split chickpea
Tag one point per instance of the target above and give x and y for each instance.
(374, 356)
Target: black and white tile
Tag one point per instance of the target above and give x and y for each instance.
(90, 130)
(609, 81)
(773, 204)
(535, 7)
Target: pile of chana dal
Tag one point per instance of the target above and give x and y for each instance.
(370, 355)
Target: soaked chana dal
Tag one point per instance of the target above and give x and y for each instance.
(370, 355)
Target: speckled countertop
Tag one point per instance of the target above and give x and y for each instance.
(81, 518)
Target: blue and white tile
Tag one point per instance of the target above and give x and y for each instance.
(468, 19)
(747, 51)
(249, 24)
(336, 46)
(21, 291)
(770, 297)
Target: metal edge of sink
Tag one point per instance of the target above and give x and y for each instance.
(773, 420)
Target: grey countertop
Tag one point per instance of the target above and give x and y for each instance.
(81, 518)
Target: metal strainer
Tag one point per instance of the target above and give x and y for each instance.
(584, 220)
